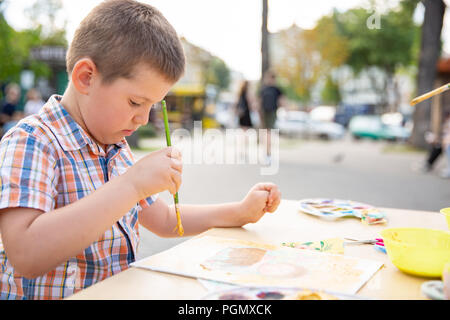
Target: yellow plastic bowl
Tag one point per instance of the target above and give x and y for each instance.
(446, 212)
(418, 251)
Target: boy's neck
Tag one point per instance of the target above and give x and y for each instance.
(70, 102)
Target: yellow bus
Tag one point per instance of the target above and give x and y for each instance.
(189, 103)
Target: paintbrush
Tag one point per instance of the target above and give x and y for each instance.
(430, 94)
(179, 226)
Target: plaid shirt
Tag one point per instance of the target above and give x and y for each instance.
(48, 161)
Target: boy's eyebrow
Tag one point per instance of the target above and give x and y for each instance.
(142, 97)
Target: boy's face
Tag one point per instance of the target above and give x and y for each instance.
(112, 111)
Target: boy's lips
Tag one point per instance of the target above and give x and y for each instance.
(128, 132)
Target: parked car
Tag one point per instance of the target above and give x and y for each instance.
(372, 127)
(345, 112)
(225, 115)
(323, 113)
(299, 124)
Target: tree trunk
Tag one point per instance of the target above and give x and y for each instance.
(429, 54)
(265, 62)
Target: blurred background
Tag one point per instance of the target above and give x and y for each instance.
(347, 70)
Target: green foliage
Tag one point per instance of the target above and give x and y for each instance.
(388, 47)
(147, 131)
(292, 94)
(330, 93)
(218, 73)
(309, 55)
(15, 48)
(9, 65)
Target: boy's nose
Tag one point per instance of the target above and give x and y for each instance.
(142, 118)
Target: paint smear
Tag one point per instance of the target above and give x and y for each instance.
(235, 257)
(281, 270)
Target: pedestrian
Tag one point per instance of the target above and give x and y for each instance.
(34, 102)
(270, 96)
(72, 196)
(446, 144)
(243, 106)
(9, 113)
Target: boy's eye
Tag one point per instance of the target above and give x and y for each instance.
(135, 104)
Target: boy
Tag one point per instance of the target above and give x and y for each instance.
(71, 197)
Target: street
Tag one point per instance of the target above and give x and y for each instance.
(373, 172)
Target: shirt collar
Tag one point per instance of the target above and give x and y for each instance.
(70, 135)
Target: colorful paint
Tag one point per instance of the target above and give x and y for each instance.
(334, 245)
(270, 295)
(277, 293)
(336, 208)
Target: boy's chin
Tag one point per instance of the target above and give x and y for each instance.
(114, 140)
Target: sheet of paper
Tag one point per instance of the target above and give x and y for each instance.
(256, 264)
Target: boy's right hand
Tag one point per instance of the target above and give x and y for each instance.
(156, 172)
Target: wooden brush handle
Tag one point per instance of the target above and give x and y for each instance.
(430, 94)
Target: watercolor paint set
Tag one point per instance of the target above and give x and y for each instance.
(278, 293)
(333, 209)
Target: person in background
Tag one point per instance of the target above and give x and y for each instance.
(9, 113)
(270, 96)
(446, 144)
(435, 151)
(243, 110)
(34, 102)
(243, 107)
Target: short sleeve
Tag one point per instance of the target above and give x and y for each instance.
(145, 203)
(27, 171)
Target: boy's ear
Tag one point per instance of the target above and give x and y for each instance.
(83, 73)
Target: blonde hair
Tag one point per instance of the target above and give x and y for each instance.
(120, 34)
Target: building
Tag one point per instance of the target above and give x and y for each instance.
(55, 58)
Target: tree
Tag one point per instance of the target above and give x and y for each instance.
(330, 93)
(15, 47)
(430, 51)
(42, 14)
(386, 48)
(299, 64)
(309, 55)
(8, 64)
(265, 61)
(218, 73)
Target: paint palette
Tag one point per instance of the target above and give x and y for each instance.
(278, 293)
(333, 209)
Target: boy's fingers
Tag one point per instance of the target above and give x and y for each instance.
(274, 206)
(176, 179)
(263, 193)
(262, 196)
(274, 201)
(265, 186)
(274, 196)
(173, 153)
(173, 188)
(177, 165)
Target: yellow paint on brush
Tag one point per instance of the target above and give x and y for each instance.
(179, 226)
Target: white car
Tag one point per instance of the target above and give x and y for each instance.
(299, 124)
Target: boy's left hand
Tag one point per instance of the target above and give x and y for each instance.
(262, 197)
